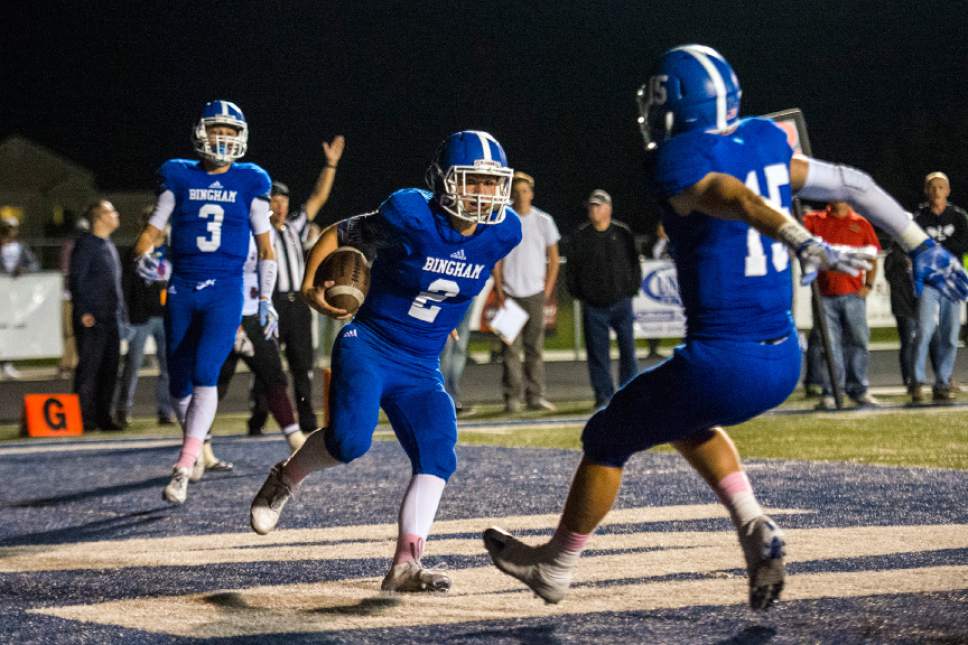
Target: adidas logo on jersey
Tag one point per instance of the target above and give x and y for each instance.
(216, 184)
(451, 267)
(350, 334)
(458, 255)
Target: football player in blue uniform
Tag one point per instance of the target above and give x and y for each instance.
(726, 185)
(433, 253)
(213, 206)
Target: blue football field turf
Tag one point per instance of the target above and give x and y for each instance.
(90, 553)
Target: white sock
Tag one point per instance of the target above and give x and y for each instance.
(312, 456)
(417, 512)
(289, 429)
(201, 411)
(181, 410)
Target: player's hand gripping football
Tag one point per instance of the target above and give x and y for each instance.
(268, 318)
(152, 268)
(315, 297)
(815, 254)
(935, 266)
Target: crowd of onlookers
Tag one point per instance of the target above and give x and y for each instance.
(106, 303)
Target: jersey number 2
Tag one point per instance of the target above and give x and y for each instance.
(777, 175)
(214, 226)
(422, 307)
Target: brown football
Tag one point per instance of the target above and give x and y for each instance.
(348, 269)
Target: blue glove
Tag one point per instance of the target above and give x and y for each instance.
(152, 268)
(268, 318)
(815, 254)
(935, 266)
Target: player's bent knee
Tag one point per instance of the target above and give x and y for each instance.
(346, 449)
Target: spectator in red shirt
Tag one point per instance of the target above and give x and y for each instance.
(844, 302)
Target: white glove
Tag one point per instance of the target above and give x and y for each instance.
(268, 318)
(815, 254)
(935, 266)
(152, 268)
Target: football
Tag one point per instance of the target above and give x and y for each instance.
(348, 269)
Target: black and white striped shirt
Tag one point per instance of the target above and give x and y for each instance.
(290, 254)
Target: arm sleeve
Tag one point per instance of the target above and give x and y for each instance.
(369, 232)
(164, 207)
(259, 215)
(828, 182)
(268, 270)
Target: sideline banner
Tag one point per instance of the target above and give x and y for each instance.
(30, 316)
(658, 310)
(657, 307)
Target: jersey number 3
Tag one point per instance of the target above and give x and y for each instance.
(777, 175)
(423, 307)
(213, 214)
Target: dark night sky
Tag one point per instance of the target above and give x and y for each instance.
(116, 87)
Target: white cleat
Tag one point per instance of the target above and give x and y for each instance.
(269, 501)
(198, 470)
(763, 546)
(177, 489)
(296, 439)
(412, 576)
(531, 565)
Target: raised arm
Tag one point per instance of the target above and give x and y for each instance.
(324, 183)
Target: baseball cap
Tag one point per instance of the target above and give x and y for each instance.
(279, 188)
(599, 196)
(937, 174)
(523, 176)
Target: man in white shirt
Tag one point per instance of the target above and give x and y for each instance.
(527, 275)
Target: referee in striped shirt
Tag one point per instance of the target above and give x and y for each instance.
(295, 317)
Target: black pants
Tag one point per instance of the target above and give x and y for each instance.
(296, 337)
(264, 363)
(96, 376)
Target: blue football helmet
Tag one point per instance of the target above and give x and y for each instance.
(224, 149)
(692, 87)
(470, 152)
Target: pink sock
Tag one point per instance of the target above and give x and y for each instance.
(567, 540)
(191, 446)
(409, 547)
(736, 494)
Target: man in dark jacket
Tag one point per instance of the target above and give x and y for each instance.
(604, 273)
(146, 317)
(95, 284)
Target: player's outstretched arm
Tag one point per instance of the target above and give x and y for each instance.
(932, 263)
(725, 197)
(313, 294)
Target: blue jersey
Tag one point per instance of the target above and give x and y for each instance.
(426, 273)
(210, 224)
(734, 282)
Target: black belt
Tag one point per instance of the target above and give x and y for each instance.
(291, 296)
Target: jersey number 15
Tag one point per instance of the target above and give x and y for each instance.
(777, 175)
